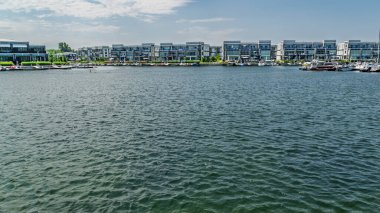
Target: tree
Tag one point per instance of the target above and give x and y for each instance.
(64, 47)
(218, 57)
(53, 55)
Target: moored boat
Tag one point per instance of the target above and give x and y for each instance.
(323, 66)
(14, 68)
(305, 66)
(365, 67)
(262, 63)
(83, 66)
(60, 67)
(375, 68)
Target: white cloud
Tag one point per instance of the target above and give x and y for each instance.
(144, 9)
(45, 32)
(96, 28)
(208, 20)
(32, 25)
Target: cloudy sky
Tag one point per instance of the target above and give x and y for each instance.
(104, 22)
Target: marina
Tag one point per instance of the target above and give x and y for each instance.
(327, 55)
(188, 106)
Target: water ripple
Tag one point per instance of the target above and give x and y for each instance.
(188, 140)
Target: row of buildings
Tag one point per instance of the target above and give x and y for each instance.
(151, 52)
(262, 50)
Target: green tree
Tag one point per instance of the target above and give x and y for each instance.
(64, 47)
(218, 57)
(53, 55)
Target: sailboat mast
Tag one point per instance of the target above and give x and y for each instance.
(378, 49)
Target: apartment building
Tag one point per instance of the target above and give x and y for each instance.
(247, 51)
(95, 53)
(358, 50)
(307, 51)
(18, 52)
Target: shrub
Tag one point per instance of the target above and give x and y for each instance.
(34, 63)
(29, 63)
(59, 63)
(43, 63)
(6, 63)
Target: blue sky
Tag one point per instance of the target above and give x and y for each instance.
(104, 22)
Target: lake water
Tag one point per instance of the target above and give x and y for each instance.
(203, 139)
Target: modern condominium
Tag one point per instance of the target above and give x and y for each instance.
(182, 52)
(18, 52)
(216, 51)
(95, 53)
(307, 51)
(358, 50)
(247, 51)
(164, 52)
(262, 50)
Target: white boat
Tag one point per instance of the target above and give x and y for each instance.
(322, 66)
(365, 67)
(262, 63)
(305, 66)
(343, 67)
(14, 68)
(63, 67)
(136, 64)
(84, 66)
(375, 68)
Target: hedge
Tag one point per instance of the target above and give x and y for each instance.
(6, 63)
(34, 63)
(59, 63)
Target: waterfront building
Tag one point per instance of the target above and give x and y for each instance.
(164, 52)
(247, 51)
(231, 50)
(133, 53)
(265, 48)
(197, 50)
(183, 52)
(149, 52)
(306, 51)
(358, 50)
(69, 56)
(216, 51)
(273, 53)
(118, 52)
(18, 52)
(95, 53)
(262, 50)
(144, 52)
